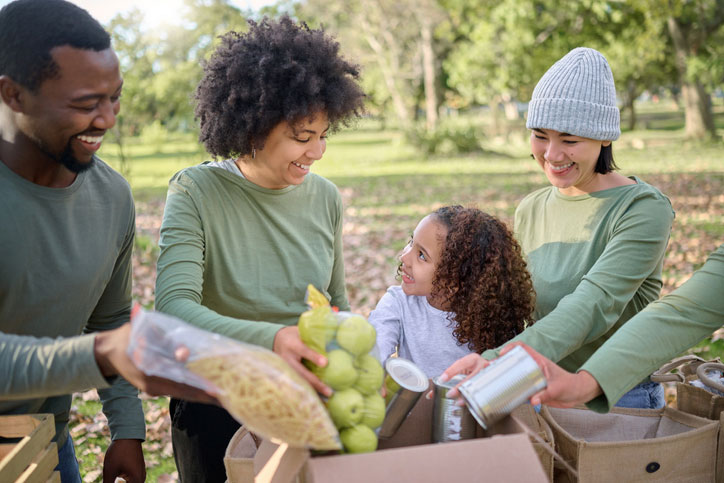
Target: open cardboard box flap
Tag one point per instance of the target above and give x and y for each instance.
(408, 456)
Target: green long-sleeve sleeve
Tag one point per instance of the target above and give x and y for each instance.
(236, 258)
(659, 333)
(28, 374)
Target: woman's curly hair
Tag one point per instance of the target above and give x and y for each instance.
(482, 278)
(277, 71)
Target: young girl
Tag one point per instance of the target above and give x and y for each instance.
(465, 288)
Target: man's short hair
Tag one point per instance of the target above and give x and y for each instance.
(30, 29)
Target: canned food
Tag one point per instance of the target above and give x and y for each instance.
(450, 422)
(413, 382)
(505, 384)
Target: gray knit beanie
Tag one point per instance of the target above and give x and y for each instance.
(577, 96)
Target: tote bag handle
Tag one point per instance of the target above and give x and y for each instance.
(664, 373)
(706, 379)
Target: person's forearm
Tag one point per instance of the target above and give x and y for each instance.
(46, 367)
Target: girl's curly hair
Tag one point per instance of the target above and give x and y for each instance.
(482, 278)
(277, 71)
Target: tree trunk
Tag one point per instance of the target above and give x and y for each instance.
(629, 104)
(699, 119)
(510, 108)
(428, 71)
(124, 166)
(697, 104)
(496, 123)
(389, 75)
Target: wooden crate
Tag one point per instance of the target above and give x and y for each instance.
(26, 453)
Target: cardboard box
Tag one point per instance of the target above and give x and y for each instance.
(503, 454)
(26, 452)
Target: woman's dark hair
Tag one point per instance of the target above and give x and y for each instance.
(605, 163)
(482, 279)
(277, 71)
(30, 29)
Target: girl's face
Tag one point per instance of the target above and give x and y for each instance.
(288, 154)
(568, 161)
(420, 256)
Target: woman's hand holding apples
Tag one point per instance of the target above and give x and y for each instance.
(290, 347)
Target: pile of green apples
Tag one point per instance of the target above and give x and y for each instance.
(356, 376)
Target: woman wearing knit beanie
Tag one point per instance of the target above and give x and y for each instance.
(595, 239)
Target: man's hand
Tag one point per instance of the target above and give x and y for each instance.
(564, 389)
(110, 352)
(124, 458)
(290, 347)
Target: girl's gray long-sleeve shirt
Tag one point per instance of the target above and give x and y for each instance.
(420, 332)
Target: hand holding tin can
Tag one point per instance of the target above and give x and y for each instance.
(506, 383)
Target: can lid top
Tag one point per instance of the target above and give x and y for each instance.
(454, 381)
(407, 374)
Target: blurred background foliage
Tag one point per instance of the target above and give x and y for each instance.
(424, 61)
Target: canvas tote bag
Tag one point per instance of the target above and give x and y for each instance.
(542, 437)
(690, 398)
(632, 445)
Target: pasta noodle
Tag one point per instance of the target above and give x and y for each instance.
(269, 398)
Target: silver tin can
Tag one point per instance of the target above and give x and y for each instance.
(505, 384)
(413, 382)
(450, 422)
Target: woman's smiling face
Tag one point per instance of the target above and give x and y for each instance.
(568, 161)
(289, 152)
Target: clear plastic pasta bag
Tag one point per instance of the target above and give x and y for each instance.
(353, 372)
(255, 385)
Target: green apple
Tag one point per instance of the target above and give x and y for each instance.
(339, 373)
(370, 376)
(317, 327)
(356, 335)
(391, 388)
(374, 412)
(346, 407)
(358, 439)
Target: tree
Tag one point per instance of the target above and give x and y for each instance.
(693, 25)
(395, 41)
(503, 48)
(162, 68)
(135, 54)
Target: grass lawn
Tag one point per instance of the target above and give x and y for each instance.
(387, 187)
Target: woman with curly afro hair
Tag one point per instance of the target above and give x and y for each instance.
(242, 236)
(465, 288)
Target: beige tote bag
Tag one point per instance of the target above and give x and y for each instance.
(632, 445)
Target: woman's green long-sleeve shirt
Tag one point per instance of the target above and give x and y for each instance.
(595, 261)
(236, 258)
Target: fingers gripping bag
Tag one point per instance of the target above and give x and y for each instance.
(254, 384)
(352, 371)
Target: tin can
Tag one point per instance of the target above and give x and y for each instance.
(505, 384)
(413, 382)
(450, 422)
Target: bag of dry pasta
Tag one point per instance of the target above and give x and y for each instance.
(352, 371)
(255, 385)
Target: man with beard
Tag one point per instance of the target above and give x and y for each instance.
(68, 223)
